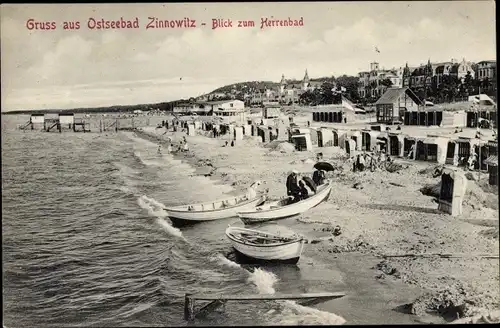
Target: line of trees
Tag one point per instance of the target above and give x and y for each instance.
(451, 88)
(331, 91)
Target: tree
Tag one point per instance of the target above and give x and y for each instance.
(327, 96)
(350, 83)
(307, 98)
(467, 84)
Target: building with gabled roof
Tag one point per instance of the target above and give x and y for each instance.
(392, 105)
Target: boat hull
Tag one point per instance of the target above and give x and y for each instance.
(182, 218)
(286, 211)
(244, 259)
(288, 252)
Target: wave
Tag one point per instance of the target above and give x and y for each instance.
(292, 313)
(222, 260)
(156, 209)
(263, 280)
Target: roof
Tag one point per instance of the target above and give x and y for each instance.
(492, 160)
(218, 102)
(488, 61)
(392, 94)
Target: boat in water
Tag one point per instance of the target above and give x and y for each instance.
(284, 208)
(220, 209)
(261, 246)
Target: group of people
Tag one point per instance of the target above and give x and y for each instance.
(372, 161)
(183, 146)
(296, 188)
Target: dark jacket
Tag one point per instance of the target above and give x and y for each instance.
(318, 177)
(303, 191)
(291, 185)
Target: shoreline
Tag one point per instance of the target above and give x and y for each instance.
(371, 223)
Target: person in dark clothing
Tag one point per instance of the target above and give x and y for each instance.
(319, 177)
(232, 143)
(303, 190)
(292, 188)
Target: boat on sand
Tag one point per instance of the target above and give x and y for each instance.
(261, 246)
(220, 209)
(283, 208)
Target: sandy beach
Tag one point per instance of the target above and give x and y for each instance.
(386, 214)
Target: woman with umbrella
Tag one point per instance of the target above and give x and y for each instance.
(319, 174)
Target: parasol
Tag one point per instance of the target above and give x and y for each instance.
(310, 183)
(324, 166)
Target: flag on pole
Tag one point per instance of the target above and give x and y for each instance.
(347, 104)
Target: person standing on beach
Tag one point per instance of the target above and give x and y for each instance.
(292, 188)
(159, 149)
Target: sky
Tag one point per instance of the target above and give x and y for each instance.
(47, 69)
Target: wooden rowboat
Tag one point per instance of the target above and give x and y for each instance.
(259, 246)
(282, 209)
(220, 209)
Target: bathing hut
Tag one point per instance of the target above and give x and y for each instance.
(378, 127)
(408, 143)
(264, 133)
(369, 139)
(356, 136)
(453, 187)
(238, 133)
(482, 150)
(37, 120)
(282, 132)
(191, 131)
(247, 130)
(383, 142)
(255, 130)
(51, 121)
(302, 141)
(349, 146)
(463, 149)
(396, 143)
(325, 137)
(338, 137)
(67, 120)
(492, 163)
(314, 136)
(273, 134)
(431, 149)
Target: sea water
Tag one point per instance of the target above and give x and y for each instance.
(86, 241)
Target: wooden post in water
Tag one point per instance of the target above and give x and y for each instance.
(116, 125)
(188, 308)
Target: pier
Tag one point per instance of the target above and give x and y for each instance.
(217, 300)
